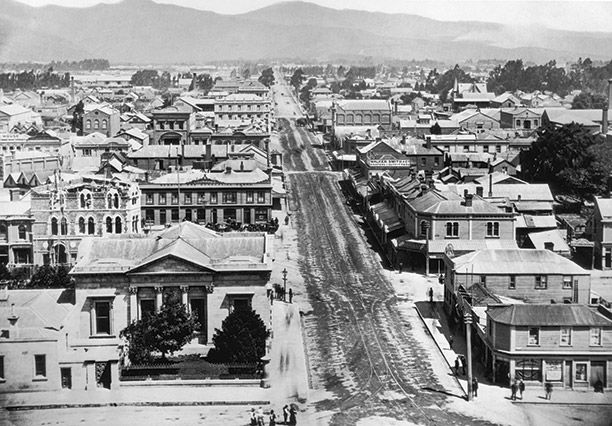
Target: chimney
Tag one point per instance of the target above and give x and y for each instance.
(490, 186)
(479, 191)
(12, 318)
(468, 200)
(428, 142)
(228, 169)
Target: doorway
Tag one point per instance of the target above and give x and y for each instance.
(198, 308)
(598, 373)
(103, 375)
(567, 375)
(66, 377)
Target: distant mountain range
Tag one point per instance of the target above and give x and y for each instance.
(142, 31)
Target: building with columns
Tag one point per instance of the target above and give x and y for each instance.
(120, 278)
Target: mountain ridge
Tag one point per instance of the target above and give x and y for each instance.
(142, 31)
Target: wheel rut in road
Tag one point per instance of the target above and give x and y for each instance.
(359, 347)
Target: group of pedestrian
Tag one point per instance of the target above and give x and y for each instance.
(517, 387)
(258, 417)
(279, 293)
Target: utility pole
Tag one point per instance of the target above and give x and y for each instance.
(468, 341)
(284, 284)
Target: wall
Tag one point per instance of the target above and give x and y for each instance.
(19, 365)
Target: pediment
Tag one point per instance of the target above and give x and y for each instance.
(169, 265)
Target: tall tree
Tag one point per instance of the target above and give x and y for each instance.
(267, 77)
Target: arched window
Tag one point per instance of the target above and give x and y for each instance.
(117, 225)
(103, 124)
(82, 199)
(96, 124)
(3, 231)
(109, 200)
(88, 124)
(22, 232)
(81, 225)
(91, 226)
(54, 229)
(85, 200)
(423, 228)
(116, 201)
(64, 226)
(109, 225)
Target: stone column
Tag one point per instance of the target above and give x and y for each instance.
(185, 296)
(159, 298)
(133, 303)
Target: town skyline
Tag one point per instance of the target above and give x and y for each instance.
(577, 15)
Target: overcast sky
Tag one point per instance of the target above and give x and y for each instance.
(572, 15)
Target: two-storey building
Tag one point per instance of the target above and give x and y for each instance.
(568, 346)
(15, 233)
(171, 125)
(101, 118)
(602, 232)
(240, 107)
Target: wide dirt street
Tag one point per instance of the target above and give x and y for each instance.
(359, 348)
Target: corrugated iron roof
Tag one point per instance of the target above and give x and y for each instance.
(548, 315)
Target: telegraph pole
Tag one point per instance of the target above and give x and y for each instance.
(284, 284)
(468, 341)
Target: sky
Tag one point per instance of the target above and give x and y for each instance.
(574, 15)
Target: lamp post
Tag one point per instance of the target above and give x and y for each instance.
(468, 341)
(284, 284)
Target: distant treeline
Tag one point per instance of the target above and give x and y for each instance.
(32, 80)
(83, 65)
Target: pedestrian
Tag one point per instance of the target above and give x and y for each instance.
(271, 298)
(430, 293)
(253, 417)
(450, 341)
(401, 266)
(272, 418)
(475, 386)
(292, 416)
(286, 220)
(457, 366)
(548, 387)
(268, 289)
(462, 359)
(285, 414)
(290, 296)
(260, 417)
(513, 388)
(521, 387)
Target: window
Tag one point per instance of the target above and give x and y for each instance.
(528, 370)
(535, 123)
(424, 227)
(447, 148)
(567, 282)
(150, 215)
(565, 338)
(104, 124)
(40, 366)
(534, 337)
(118, 225)
(109, 225)
(249, 196)
(2, 368)
(581, 372)
(261, 197)
(102, 320)
(483, 280)
(466, 148)
(162, 199)
(174, 198)
(229, 198)
(492, 229)
(54, 227)
(201, 197)
(162, 217)
(91, 226)
(497, 148)
(452, 229)
(518, 123)
(81, 225)
(188, 198)
(147, 307)
(200, 215)
(423, 161)
(485, 148)
(436, 161)
(512, 283)
(64, 226)
(188, 215)
(96, 124)
(87, 152)
(85, 200)
(149, 199)
(174, 215)
(116, 201)
(541, 282)
(240, 302)
(595, 336)
(88, 125)
(213, 197)
(22, 232)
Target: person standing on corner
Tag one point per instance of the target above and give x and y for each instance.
(272, 418)
(513, 388)
(290, 295)
(548, 387)
(475, 386)
(430, 293)
(285, 414)
(521, 387)
(292, 416)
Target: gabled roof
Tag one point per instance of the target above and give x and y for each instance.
(604, 206)
(178, 249)
(548, 315)
(13, 109)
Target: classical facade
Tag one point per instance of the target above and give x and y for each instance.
(171, 125)
(67, 212)
(103, 118)
(242, 106)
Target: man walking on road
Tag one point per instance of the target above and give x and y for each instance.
(457, 365)
(513, 388)
(430, 293)
(475, 386)
(548, 388)
(521, 387)
(290, 296)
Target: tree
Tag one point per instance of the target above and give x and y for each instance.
(241, 340)
(296, 79)
(435, 129)
(48, 276)
(145, 78)
(77, 118)
(564, 157)
(589, 101)
(267, 77)
(163, 332)
(205, 82)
